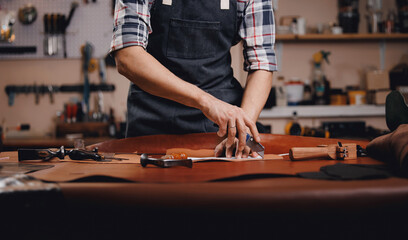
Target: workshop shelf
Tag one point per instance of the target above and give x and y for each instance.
(342, 37)
(322, 111)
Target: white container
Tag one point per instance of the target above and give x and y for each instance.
(337, 30)
(301, 24)
(294, 92)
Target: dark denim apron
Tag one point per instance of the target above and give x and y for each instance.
(191, 38)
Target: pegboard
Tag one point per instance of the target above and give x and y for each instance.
(92, 22)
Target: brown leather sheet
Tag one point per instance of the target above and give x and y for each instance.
(201, 171)
(274, 144)
(64, 171)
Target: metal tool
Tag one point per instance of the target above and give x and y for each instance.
(47, 37)
(51, 93)
(54, 33)
(255, 146)
(87, 51)
(66, 23)
(77, 154)
(37, 94)
(40, 154)
(165, 163)
(74, 154)
(27, 14)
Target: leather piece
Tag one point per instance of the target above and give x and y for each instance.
(204, 153)
(201, 171)
(274, 144)
(340, 171)
(392, 148)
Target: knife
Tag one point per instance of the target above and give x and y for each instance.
(255, 146)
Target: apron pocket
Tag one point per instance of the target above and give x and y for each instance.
(192, 39)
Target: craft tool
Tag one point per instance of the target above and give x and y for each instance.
(332, 152)
(74, 154)
(165, 163)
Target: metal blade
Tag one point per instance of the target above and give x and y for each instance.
(255, 146)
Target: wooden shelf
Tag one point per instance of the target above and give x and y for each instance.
(342, 37)
(328, 111)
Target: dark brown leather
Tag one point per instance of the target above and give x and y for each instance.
(392, 148)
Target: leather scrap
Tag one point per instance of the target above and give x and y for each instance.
(341, 171)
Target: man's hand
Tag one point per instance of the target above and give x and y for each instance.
(232, 120)
(222, 147)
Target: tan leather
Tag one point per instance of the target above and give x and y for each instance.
(205, 153)
(392, 148)
(275, 144)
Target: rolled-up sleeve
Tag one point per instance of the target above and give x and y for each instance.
(131, 26)
(257, 30)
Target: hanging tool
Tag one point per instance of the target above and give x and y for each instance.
(74, 6)
(11, 97)
(37, 94)
(87, 51)
(47, 43)
(99, 98)
(338, 151)
(74, 154)
(27, 14)
(166, 162)
(54, 33)
(51, 93)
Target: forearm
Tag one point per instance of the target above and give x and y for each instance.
(150, 75)
(256, 93)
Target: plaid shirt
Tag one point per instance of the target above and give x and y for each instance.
(255, 23)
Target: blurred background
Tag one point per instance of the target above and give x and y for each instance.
(338, 59)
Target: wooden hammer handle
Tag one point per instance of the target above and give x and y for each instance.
(304, 153)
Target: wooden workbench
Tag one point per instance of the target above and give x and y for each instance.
(221, 200)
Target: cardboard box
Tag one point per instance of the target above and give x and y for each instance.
(378, 97)
(377, 80)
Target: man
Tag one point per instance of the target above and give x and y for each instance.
(176, 53)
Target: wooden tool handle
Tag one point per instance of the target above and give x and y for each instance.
(304, 153)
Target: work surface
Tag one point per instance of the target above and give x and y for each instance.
(234, 199)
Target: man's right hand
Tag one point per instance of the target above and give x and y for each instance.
(232, 120)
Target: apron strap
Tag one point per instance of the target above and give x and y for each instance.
(224, 4)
